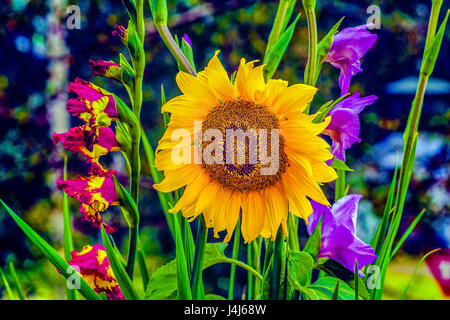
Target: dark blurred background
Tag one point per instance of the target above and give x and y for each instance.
(39, 55)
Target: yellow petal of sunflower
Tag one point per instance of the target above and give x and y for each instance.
(295, 97)
(219, 81)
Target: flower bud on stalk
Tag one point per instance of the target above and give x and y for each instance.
(159, 11)
(121, 33)
(107, 69)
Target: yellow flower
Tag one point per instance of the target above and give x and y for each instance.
(222, 191)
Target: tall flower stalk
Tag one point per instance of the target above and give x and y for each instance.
(410, 136)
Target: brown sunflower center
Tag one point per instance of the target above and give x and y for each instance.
(243, 139)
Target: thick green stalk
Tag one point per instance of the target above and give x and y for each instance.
(135, 131)
(142, 263)
(410, 141)
(268, 254)
(134, 185)
(282, 17)
(140, 27)
(277, 265)
(339, 190)
(200, 243)
(132, 247)
(432, 23)
(253, 258)
(309, 7)
(310, 72)
(293, 229)
(250, 278)
(183, 283)
(68, 242)
(234, 256)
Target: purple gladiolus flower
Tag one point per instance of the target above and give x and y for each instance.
(339, 240)
(344, 125)
(348, 47)
(187, 39)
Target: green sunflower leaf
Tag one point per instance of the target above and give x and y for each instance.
(300, 265)
(324, 288)
(163, 283)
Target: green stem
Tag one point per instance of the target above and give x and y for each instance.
(339, 191)
(68, 242)
(132, 247)
(277, 265)
(135, 132)
(250, 282)
(310, 76)
(174, 49)
(185, 235)
(140, 28)
(16, 281)
(410, 136)
(200, 243)
(234, 255)
(268, 254)
(253, 258)
(432, 23)
(142, 263)
(244, 266)
(250, 278)
(9, 292)
(282, 17)
(293, 232)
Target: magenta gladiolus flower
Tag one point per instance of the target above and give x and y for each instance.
(339, 240)
(348, 47)
(107, 69)
(92, 102)
(91, 143)
(93, 265)
(344, 125)
(95, 194)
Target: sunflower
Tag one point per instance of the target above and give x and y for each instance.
(224, 191)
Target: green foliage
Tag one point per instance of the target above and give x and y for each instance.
(163, 283)
(431, 53)
(314, 241)
(340, 165)
(274, 55)
(127, 205)
(300, 265)
(126, 285)
(335, 269)
(61, 265)
(324, 288)
(414, 273)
